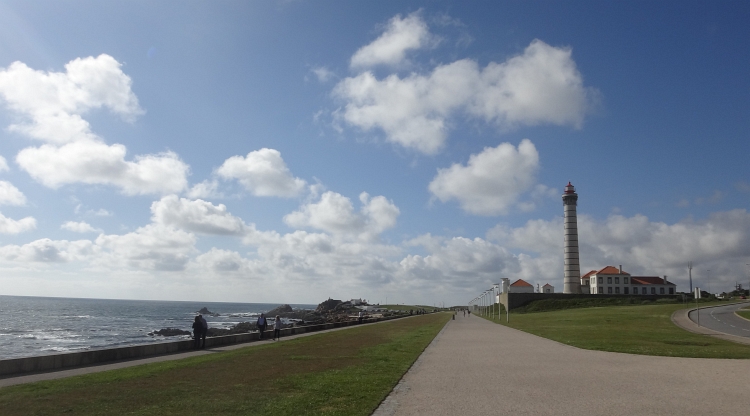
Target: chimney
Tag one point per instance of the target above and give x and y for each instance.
(621, 269)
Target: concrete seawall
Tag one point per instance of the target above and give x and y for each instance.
(54, 362)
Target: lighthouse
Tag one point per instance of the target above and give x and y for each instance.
(572, 269)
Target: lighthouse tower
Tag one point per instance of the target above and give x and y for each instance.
(572, 269)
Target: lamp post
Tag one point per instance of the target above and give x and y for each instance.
(708, 281)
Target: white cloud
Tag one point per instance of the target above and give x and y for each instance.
(223, 261)
(334, 213)
(11, 226)
(48, 251)
(52, 106)
(3, 165)
(263, 173)
(93, 162)
(153, 247)
(10, 195)
(205, 189)
(196, 216)
(323, 74)
(79, 227)
(542, 85)
(53, 102)
(492, 181)
(400, 36)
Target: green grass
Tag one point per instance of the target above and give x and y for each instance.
(406, 308)
(641, 329)
(344, 372)
(745, 314)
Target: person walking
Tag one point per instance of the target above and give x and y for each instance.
(261, 324)
(361, 316)
(277, 328)
(204, 332)
(197, 331)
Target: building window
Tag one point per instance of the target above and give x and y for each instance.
(601, 290)
(609, 280)
(661, 290)
(626, 290)
(653, 290)
(643, 291)
(617, 290)
(600, 280)
(609, 290)
(617, 280)
(671, 291)
(625, 280)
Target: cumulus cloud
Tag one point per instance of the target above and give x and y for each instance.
(3, 165)
(51, 106)
(323, 74)
(153, 247)
(334, 213)
(48, 251)
(400, 36)
(10, 195)
(263, 173)
(541, 85)
(53, 102)
(492, 181)
(205, 189)
(11, 226)
(94, 162)
(223, 261)
(79, 227)
(196, 216)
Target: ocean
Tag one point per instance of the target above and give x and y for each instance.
(31, 326)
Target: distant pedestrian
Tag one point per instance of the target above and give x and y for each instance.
(261, 324)
(361, 316)
(277, 328)
(204, 332)
(464, 312)
(197, 332)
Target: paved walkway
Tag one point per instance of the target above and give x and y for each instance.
(476, 367)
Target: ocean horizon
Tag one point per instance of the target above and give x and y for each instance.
(34, 326)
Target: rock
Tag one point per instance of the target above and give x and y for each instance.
(327, 305)
(280, 310)
(240, 328)
(205, 311)
(170, 332)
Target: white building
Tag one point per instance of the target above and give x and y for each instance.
(548, 288)
(613, 281)
(521, 286)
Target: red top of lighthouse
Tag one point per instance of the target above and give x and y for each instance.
(570, 189)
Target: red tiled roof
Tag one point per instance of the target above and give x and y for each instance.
(611, 270)
(648, 280)
(588, 274)
(521, 282)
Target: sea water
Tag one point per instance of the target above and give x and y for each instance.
(32, 326)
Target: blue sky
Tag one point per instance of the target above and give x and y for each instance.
(292, 151)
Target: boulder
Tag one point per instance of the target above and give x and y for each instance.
(327, 305)
(280, 310)
(170, 332)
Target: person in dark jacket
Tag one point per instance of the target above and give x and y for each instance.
(197, 332)
(261, 324)
(204, 332)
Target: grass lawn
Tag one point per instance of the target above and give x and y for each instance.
(345, 372)
(744, 313)
(407, 307)
(641, 329)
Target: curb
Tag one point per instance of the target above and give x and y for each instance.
(681, 319)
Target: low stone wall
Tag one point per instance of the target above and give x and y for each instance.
(516, 300)
(17, 366)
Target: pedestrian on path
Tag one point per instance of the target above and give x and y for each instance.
(204, 325)
(277, 328)
(197, 331)
(261, 324)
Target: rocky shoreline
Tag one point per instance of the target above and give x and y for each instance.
(328, 311)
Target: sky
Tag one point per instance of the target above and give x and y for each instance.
(396, 151)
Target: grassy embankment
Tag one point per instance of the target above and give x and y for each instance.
(344, 372)
(407, 307)
(635, 329)
(745, 313)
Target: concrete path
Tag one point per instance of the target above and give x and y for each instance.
(476, 367)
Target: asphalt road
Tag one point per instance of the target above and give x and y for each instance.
(723, 319)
